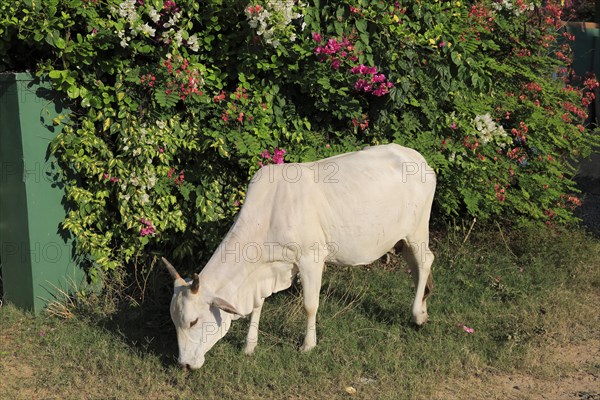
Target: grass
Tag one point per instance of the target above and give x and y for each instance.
(524, 293)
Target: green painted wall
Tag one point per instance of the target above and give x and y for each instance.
(36, 261)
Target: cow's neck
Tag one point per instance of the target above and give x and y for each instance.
(244, 281)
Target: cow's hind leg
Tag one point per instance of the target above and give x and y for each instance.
(311, 274)
(252, 338)
(419, 259)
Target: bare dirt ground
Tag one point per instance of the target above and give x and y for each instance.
(574, 376)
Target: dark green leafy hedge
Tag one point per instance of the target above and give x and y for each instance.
(175, 104)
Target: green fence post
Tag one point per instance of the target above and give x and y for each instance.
(37, 263)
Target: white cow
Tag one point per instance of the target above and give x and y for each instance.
(350, 210)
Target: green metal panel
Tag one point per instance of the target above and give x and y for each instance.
(585, 48)
(36, 260)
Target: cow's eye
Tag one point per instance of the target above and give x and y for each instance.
(194, 322)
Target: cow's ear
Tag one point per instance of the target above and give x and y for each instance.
(225, 306)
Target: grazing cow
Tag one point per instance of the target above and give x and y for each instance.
(349, 209)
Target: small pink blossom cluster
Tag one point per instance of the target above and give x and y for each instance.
(254, 9)
(170, 6)
(183, 80)
(334, 50)
(377, 85)
(179, 178)
(275, 158)
(147, 229)
(107, 177)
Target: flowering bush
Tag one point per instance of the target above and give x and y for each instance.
(272, 20)
(176, 103)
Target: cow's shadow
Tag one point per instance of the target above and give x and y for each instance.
(144, 324)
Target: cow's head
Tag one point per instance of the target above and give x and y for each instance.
(200, 318)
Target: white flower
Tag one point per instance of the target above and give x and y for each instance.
(273, 20)
(508, 5)
(173, 20)
(193, 43)
(151, 181)
(127, 10)
(154, 15)
(148, 30)
(178, 39)
(488, 130)
(144, 198)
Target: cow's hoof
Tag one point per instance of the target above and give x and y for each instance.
(421, 319)
(305, 348)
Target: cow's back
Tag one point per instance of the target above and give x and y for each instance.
(354, 206)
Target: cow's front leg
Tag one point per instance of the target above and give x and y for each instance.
(419, 259)
(311, 274)
(252, 338)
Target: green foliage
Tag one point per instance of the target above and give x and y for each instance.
(173, 103)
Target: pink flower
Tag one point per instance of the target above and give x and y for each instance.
(453, 126)
(467, 329)
(383, 89)
(179, 180)
(335, 64)
(316, 37)
(362, 85)
(363, 70)
(170, 6)
(378, 78)
(147, 229)
(276, 158)
(278, 155)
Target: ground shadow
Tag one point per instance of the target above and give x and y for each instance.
(143, 322)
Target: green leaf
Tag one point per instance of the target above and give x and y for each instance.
(73, 92)
(324, 82)
(456, 58)
(361, 25)
(55, 74)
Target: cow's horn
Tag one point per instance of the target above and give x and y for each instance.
(195, 284)
(174, 274)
